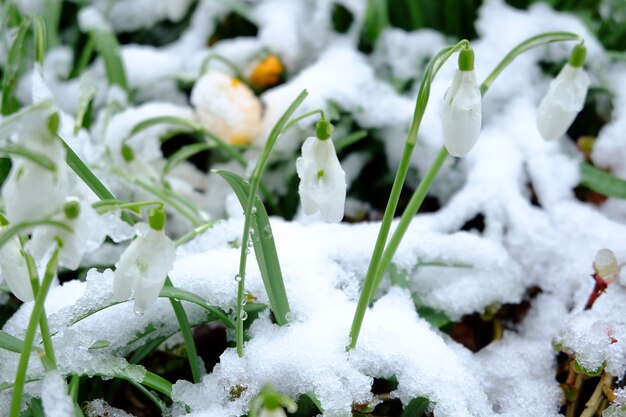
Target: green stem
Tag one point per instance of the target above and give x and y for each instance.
(530, 43)
(22, 367)
(422, 99)
(414, 204)
(304, 116)
(205, 66)
(185, 329)
(43, 322)
(255, 180)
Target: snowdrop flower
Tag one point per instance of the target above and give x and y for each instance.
(13, 266)
(565, 98)
(145, 264)
(322, 181)
(462, 108)
(46, 189)
(86, 235)
(227, 107)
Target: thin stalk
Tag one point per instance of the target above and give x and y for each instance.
(422, 99)
(43, 322)
(596, 398)
(255, 180)
(304, 116)
(414, 204)
(530, 43)
(204, 67)
(170, 198)
(29, 337)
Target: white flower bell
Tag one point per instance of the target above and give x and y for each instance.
(565, 98)
(14, 269)
(32, 192)
(227, 107)
(322, 180)
(145, 264)
(86, 235)
(462, 114)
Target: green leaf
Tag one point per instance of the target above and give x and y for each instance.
(183, 154)
(11, 69)
(264, 247)
(436, 318)
(10, 342)
(344, 142)
(180, 294)
(602, 182)
(40, 39)
(100, 344)
(84, 103)
(589, 372)
(13, 230)
(376, 19)
(193, 127)
(109, 49)
(415, 407)
(35, 157)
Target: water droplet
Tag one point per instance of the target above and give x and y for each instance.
(248, 251)
(267, 232)
(252, 231)
(237, 278)
(250, 243)
(244, 301)
(244, 315)
(253, 209)
(138, 312)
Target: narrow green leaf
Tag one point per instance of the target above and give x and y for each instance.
(415, 407)
(52, 17)
(11, 69)
(109, 49)
(40, 39)
(376, 19)
(183, 154)
(180, 294)
(344, 142)
(158, 383)
(89, 178)
(36, 408)
(602, 182)
(193, 127)
(100, 344)
(13, 230)
(264, 248)
(35, 157)
(10, 342)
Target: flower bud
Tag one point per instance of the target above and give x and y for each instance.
(565, 97)
(606, 266)
(462, 114)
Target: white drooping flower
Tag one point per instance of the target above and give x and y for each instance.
(275, 412)
(143, 267)
(227, 107)
(14, 270)
(462, 110)
(322, 180)
(564, 100)
(32, 192)
(86, 235)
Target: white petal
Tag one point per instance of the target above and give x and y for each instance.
(143, 267)
(562, 103)
(462, 114)
(14, 270)
(322, 180)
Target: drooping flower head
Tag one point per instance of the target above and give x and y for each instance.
(13, 269)
(462, 113)
(322, 180)
(144, 265)
(565, 97)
